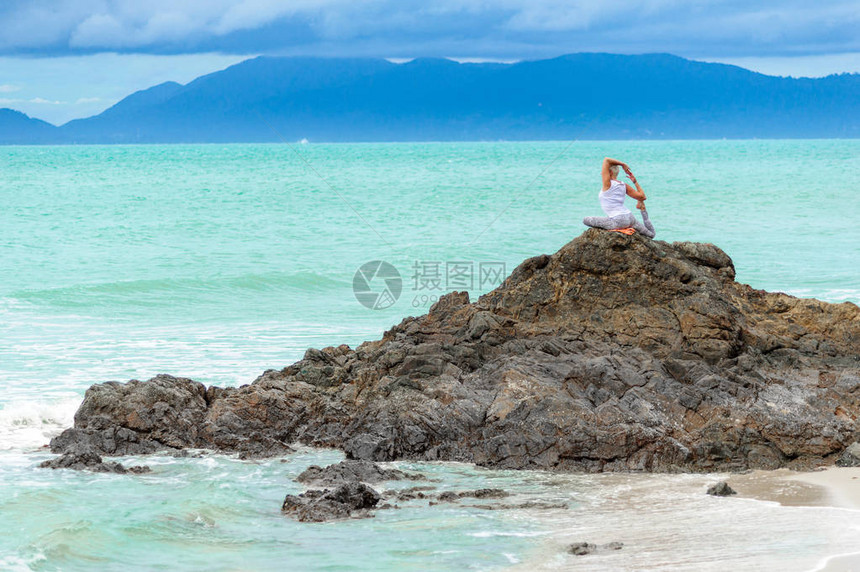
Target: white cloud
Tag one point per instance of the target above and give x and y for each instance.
(98, 30)
(42, 101)
(9, 88)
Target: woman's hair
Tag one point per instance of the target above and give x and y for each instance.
(613, 170)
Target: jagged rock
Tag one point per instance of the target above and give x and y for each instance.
(613, 354)
(721, 489)
(348, 500)
(583, 548)
(351, 471)
(164, 413)
(850, 457)
(82, 458)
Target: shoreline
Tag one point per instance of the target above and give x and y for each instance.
(835, 487)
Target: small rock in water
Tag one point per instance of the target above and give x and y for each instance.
(348, 500)
(448, 496)
(86, 459)
(721, 489)
(186, 454)
(411, 493)
(583, 548)
(851, 456)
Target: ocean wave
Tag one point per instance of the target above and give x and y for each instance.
(171, 290)
(28, 424)
(834, 295)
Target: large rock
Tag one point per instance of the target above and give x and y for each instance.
(165, 412)
(615, 353)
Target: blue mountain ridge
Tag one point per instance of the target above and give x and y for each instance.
(577, 96)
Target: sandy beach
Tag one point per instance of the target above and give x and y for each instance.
(834, 486)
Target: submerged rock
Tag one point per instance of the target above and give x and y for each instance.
(721, 489)
(411, 493)
(349, 500)
(615, 353)
(484, 494)
(583, 548)
(529, 505)
(452, 496)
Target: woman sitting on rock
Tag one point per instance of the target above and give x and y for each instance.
(618, 217)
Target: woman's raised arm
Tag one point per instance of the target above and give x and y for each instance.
(636, 193)
(604, 170)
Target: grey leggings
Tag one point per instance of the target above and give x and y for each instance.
(622, 221)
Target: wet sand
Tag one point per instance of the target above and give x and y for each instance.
(833, 486)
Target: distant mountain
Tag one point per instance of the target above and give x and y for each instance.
(17, 128)
(580, 96)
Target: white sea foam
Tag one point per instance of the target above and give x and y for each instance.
(15, 563)
(28, 424)
(492, 533)
(835, 295)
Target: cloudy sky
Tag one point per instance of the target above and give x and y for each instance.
(61, 59)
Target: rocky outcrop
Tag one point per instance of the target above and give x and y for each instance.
(351, 471)
(349, 500)
(615, 353)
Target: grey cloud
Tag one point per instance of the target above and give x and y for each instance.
(505, 28)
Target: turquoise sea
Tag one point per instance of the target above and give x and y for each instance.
(217, 262)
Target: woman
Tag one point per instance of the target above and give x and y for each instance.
(619, 217)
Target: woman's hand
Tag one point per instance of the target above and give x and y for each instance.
(640, 205)
(629, 174)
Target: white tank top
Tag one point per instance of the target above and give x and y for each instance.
(612, 199)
